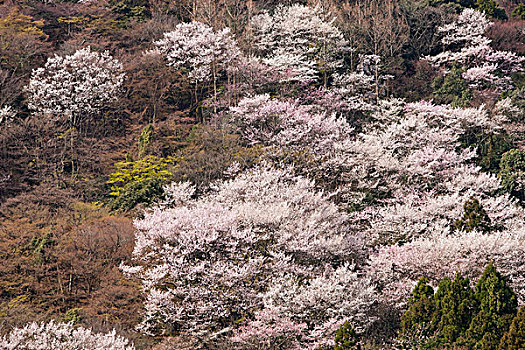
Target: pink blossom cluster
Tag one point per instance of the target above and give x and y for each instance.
(259, 247)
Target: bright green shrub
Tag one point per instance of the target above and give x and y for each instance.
(73, 316)
(144, 192)
(139, 181)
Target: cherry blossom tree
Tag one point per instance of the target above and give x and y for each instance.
(301, 39)
(264, 243)
(273, 122)
(485, 68)
(308, 316)
(61, 336)
(412, 157)
(397, 268)
(200, 50)
(75, 86)
(7, 114)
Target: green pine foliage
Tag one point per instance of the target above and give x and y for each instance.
(455, 305)
(415, 322)
(457, 316)
(346, 338)
(489, 147)
(452, 89)
(145, 138)
(514, 339)
(519, 11)
(129, 10)
(512, 172)
(497, 307)
(494, 295)
(474, 218)
(421, 290)
(73, 316)
(491, 9)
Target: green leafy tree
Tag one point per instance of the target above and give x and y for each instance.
(452, 89)
(144, 192)
(474, 218)
(346, 338)
(129, 10)
(519, 11)
(139, 182)
(491, 8)
(514, 339)
(497, 307)
(512, 172)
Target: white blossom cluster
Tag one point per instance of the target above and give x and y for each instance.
(199, 49)
(76, 85)
(470, 49)
(261, 243)
(299, 39)
(7, 115)
(61, 336)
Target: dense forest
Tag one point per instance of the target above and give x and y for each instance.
(242, 174)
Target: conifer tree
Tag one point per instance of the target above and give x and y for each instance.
(512, 172)
(415, 321)
(514, 339)
(491, 8)
(455, 305)
(452, 88)
(346, 338)
(497, 308)
(474, 218)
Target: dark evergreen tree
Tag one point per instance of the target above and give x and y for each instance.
(514, 339)
(491, 8)
(346, 338)
(455, 306)
(497, 307)
(452, 89)
(415, 322)
(512, 173)
(474, 218)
